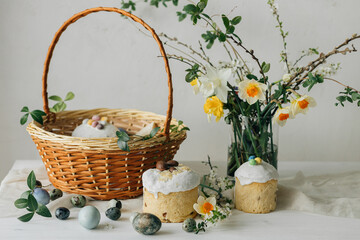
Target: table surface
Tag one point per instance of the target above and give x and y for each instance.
(281, 224)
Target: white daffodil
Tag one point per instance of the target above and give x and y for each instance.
(281, 115)
(302, 104)
(286, 77)
(214, 82)
(252, 91)
(205, 206)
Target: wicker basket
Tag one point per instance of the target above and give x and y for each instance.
(96, 167)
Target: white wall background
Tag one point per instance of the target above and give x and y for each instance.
(107, 62)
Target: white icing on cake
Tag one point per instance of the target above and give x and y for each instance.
(182, 179)
(261, 173)
(86, 131)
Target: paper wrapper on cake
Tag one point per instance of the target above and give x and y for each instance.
(255, 188)
(170, 195)
(174, 207)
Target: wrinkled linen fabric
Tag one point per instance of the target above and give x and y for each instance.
(331, 194)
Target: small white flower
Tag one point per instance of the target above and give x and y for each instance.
(281, 115)
(286, 77)
(302, 104)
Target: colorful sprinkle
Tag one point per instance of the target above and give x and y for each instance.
(104, 119)
(258, 160)
(252, 162)
(251, 157)
(90, 122)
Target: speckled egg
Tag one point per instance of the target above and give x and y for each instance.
(113, 213)
(89, 217)
(146, 223)
(115, 203)
(55, 194)
(189, 225)
(78, 201)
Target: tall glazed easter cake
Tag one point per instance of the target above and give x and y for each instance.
(170, 191)
(256, 186)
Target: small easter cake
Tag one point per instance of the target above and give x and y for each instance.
(95, 127)
(170, 191)
(256, 186)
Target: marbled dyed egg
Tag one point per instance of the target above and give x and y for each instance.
(189, 225)
(89, 217)
(146, 223)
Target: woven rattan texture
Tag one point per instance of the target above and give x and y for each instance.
(96, 167)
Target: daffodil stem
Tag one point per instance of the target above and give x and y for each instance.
(246, 127)
(206, 186)
(272, 144)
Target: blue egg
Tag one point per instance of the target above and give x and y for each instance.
(122, 130)
(89, 217)
(41, 195)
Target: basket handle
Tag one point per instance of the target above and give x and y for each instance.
(49, 115)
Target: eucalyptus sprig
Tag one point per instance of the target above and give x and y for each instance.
(37, 115)
(179, 127)
(153, 132)
(349, 95)
(122, 141)
(61, 105)
(28, 201)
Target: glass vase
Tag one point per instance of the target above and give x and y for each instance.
(252, 137)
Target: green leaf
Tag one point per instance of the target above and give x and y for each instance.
(250, 76)
(225, 21)
(181, 16)
(122, 136)
(25, 109)
(62, 106)
(349, 99)
(180, 122)
(341, 98)
(230, 30)
(154, 131)
(56, 108)
(123, 145)
(69, 96)
(185, 129)
(25, 194)
(21, 203)
(32, 203)
(43, 211)
(190, 9)
(355, 96)
(31, 180)
(265, 67)
(24, 119)
(55, 98)
(202, 4)
(358, 103)
(236, 20)
(27, 217)
(222, 37)
(37, 116)
(175, 2)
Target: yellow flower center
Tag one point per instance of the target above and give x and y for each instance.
(207, 207)
(303, 104)
(214, 106)
(194, 82)
(252, 90)
(283, 116)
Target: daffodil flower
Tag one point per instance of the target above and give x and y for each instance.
(205, 206)
(252, 91)
(302, 104)
(214, 82)
(281, 115)
(214, 106)
(195, 83)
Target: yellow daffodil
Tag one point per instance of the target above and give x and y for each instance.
(195, 83)
(281, 115)
(214, 106)
(252, 91)
(302, 104)
(205, 206)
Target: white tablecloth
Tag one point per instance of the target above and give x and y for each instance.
(299, 191)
